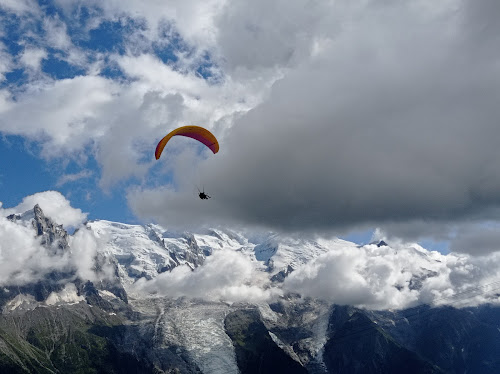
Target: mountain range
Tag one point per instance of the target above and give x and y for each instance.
(151, 300)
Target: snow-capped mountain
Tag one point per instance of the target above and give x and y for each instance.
(115, 297)
(148, 250)
(279, 252)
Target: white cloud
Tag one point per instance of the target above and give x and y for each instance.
(6, 62)
(60, 113)
(56, 33)
(32, 58)
(53, 204)
(193, 18)
(68, 178)
(333, 276)
(84, 247)
(57, 37)
(120, 122)
(225, 276)
(23, 259)
(20, 253)
(397, 277)
(20, 7)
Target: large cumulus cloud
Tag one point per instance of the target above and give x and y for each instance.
(399, 276)
(392, 119)
(226, 275)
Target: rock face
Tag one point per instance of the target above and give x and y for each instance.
(458, 340)
(256, 351)
(64, 324)
(81, 337)
(64, 340)
(52, 234)
(359, 346)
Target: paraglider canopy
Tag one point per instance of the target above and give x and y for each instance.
(195, 132)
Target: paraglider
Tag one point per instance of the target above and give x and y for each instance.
(195, 132)
(203, 195)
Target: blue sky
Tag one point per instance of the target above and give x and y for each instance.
(24, 172)
(24, 169)
(332, 120)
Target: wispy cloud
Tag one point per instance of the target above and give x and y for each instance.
(20, 7)
(32, 58)
(68, 178)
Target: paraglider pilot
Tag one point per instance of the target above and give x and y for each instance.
(204, 196)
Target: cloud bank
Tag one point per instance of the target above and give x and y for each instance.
(225, 276)
(401, 276)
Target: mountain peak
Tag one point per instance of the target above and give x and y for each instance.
(51, 232)
(38, 211)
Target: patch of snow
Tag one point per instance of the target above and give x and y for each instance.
(68, 295)
(267, 313)
(21, 301)
(283, 251)
(106, 294)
